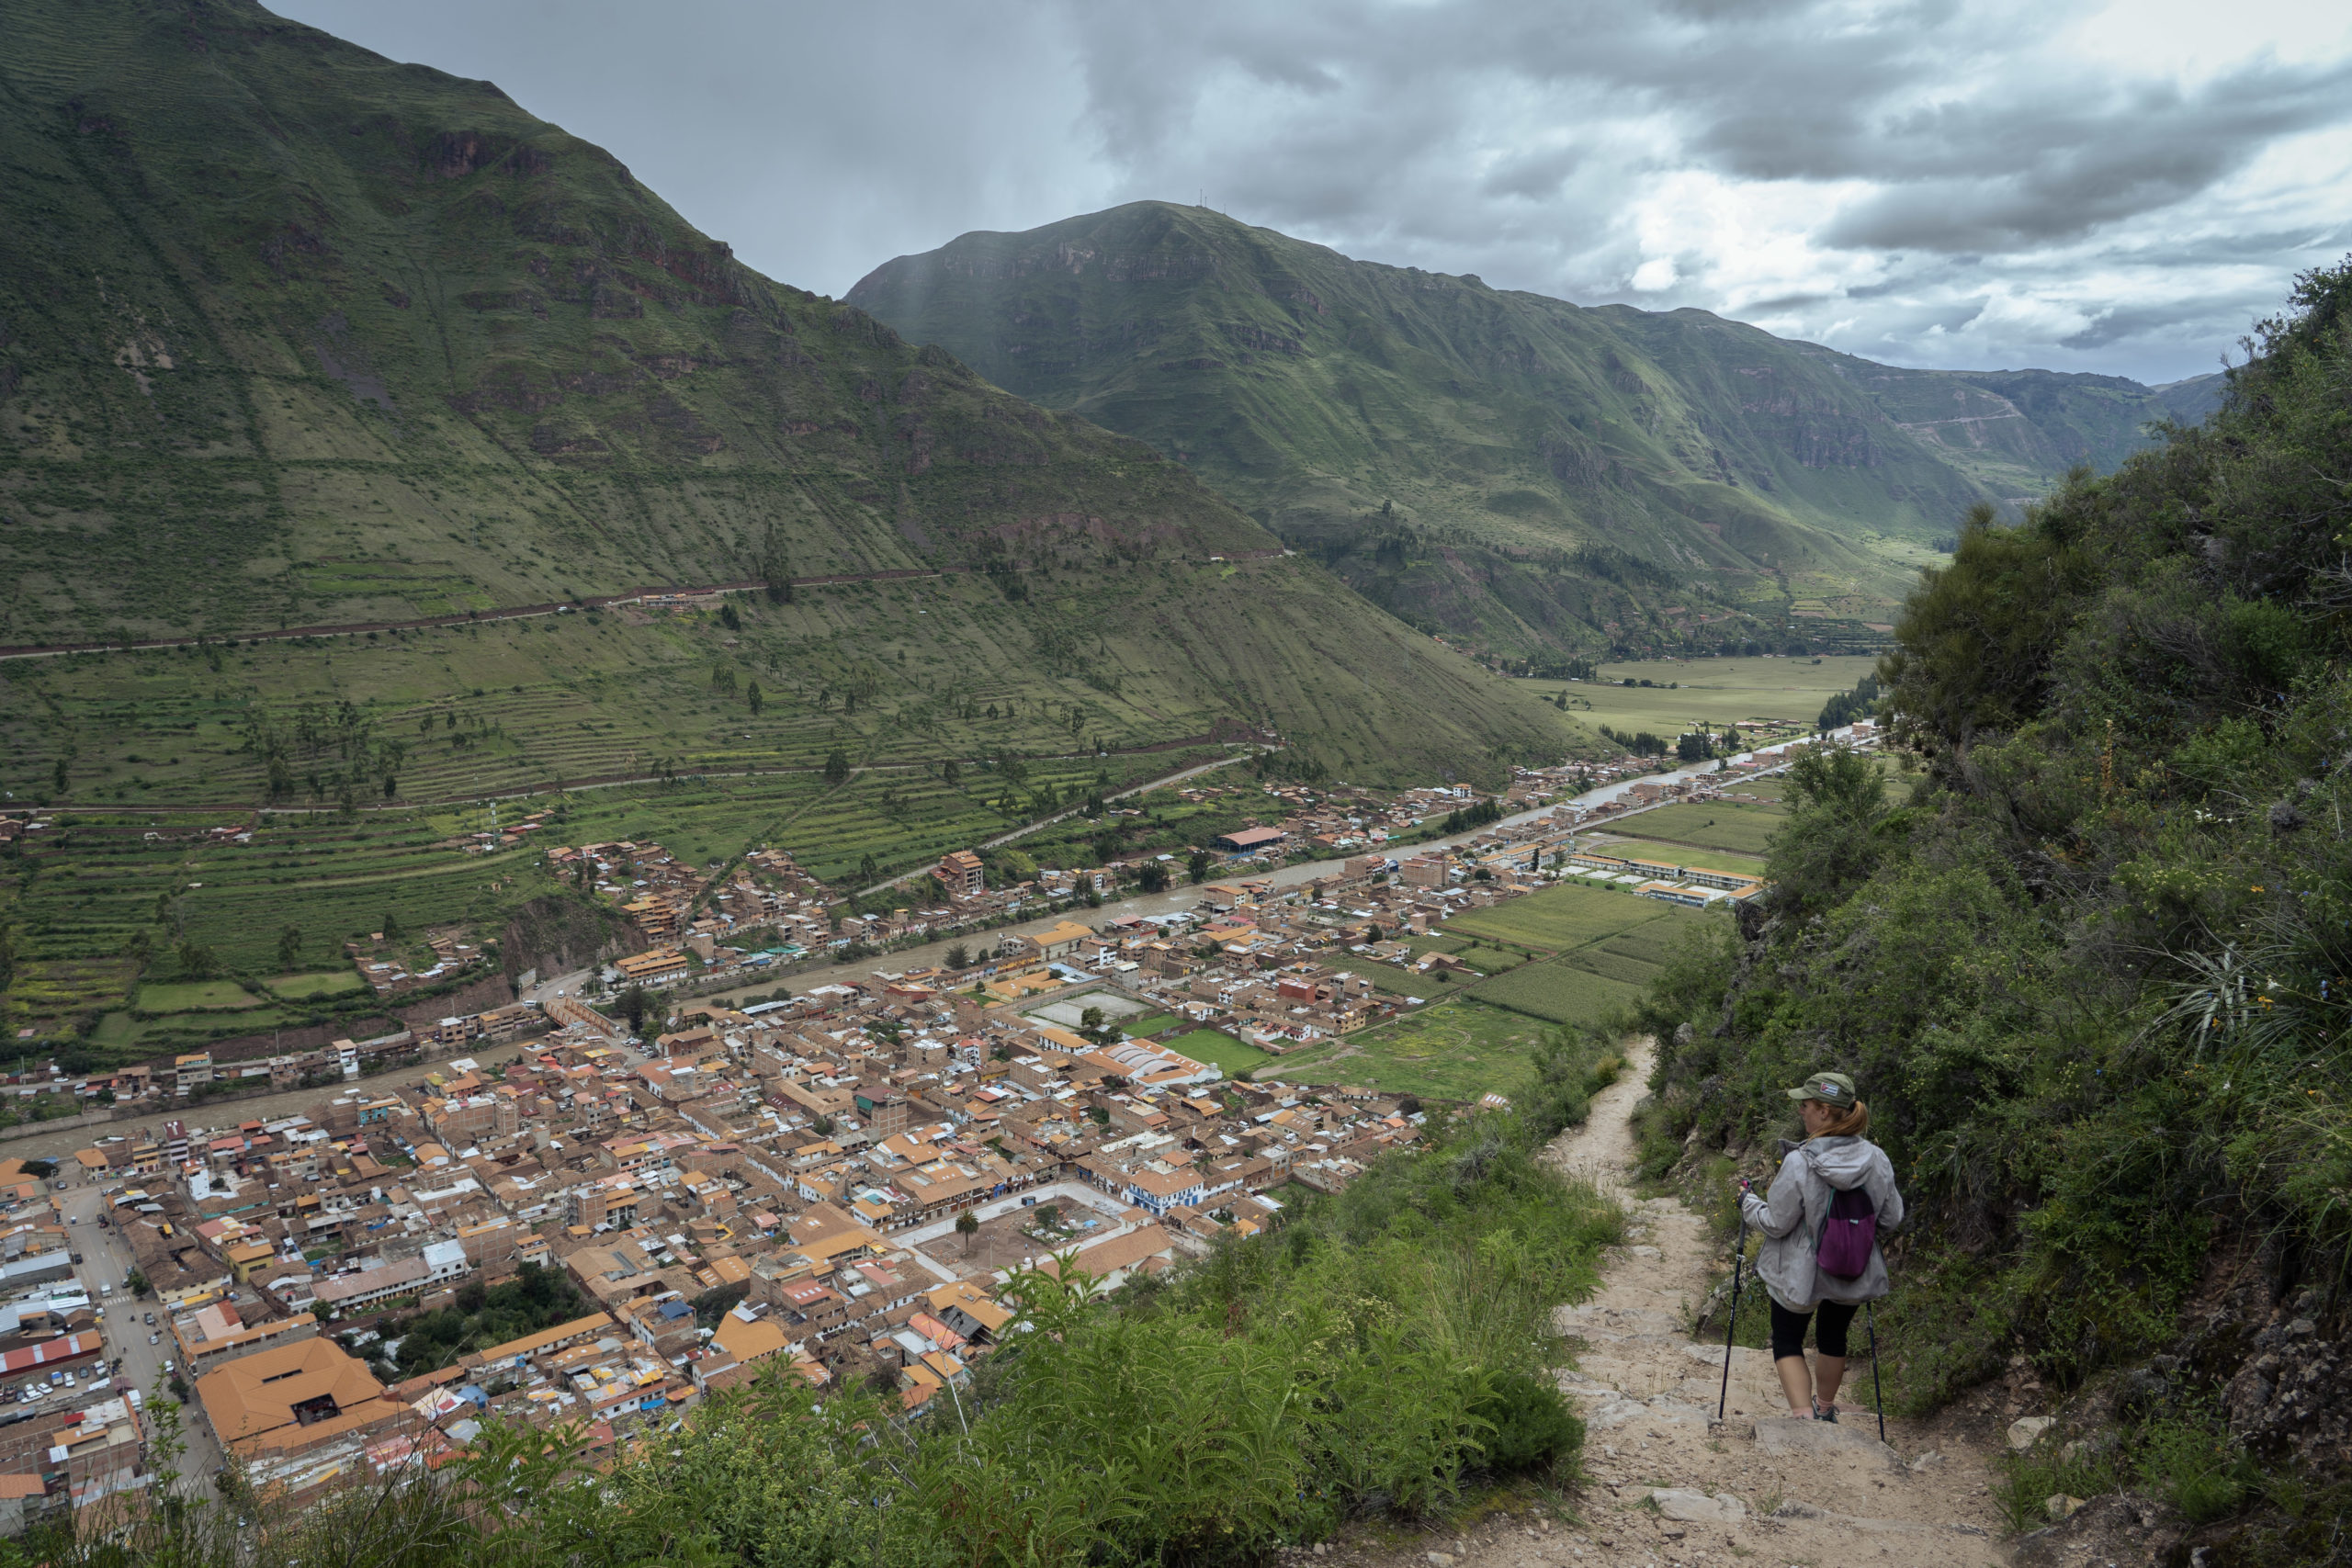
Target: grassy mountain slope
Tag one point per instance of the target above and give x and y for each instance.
(292, 334)
(1572, 479)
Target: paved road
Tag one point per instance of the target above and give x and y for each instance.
(60, 1145)
(107, 1261)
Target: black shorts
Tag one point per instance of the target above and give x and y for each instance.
(1788, 1329)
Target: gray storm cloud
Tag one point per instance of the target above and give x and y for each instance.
(1932, 182)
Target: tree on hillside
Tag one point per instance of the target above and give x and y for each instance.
(775, 568)
(727, 616)
(197, 961)
(752, 695)
(1197, 868)
(836, 766)
(289, 946)
(967, 1225)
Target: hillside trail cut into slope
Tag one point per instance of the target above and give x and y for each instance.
(1758, 1489)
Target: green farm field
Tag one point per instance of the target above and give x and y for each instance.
(195, 996)
(1398, 981)
(1560, 992)
(1715, 825)
(1218, 1049)
(1566, 917)
(300, 988)
(1681, 852)
(1714, 691)
(1459, 1049)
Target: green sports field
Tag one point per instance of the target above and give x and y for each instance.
(1220, 1049)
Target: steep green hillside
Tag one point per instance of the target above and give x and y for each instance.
(292, 335)
(1536, 476)
(2089, 968)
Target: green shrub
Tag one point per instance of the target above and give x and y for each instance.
(1531, 1426)
(2193, 1464)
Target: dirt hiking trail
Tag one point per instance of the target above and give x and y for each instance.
(1671, 1486)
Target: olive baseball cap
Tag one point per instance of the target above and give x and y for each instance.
(1830, 1088)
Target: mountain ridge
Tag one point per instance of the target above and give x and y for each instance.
(367, 342)
(1314, 389)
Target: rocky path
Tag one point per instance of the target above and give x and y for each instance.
(1672, 1485)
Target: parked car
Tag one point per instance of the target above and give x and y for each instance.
(154, 1339)
(168, 1369)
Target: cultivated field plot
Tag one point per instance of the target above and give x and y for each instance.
(1459, 1049)
(1714, 692)
(1567, 991)
(1398, 981)
(298, 987)
(195, 996)
(1218, 1048)
(1659, 941)
(1683, 854)
(1566, 917)
(1715, 825)
(1158, 1023)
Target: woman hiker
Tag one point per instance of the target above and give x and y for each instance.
(1796, 1262)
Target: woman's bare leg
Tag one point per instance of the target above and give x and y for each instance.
(1828, 1371)
(1797, 1383)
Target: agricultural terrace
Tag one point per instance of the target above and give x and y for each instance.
(101, 895)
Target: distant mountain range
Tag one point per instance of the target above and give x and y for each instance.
(1537, 477)
(292, 334)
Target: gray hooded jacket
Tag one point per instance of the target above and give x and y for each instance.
(1791, 1215)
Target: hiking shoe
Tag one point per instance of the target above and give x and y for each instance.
(1824, 1411)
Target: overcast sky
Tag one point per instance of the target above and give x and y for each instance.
(1980, 183)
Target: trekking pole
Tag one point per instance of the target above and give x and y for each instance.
(1739, 1256)
(1878, 1394)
